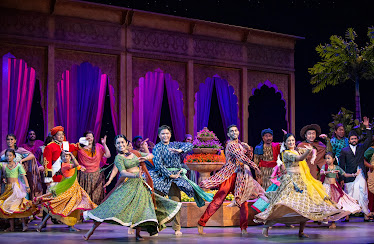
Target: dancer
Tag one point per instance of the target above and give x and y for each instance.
(136, 208)
(67, 198)
(339, 141)
(52, 152)
(169, 177)
(13, 203)
(299, 197)
(315, 160)
(235, 176)
(265, 156)
(329, 174)
(27, 159)
(90, 156)
(352, 158)
(32, 145)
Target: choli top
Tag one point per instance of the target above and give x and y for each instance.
(14, 172)
(123, 163)
(66, 170)
(333, 175)
(289, 158)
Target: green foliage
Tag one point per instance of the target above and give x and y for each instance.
(345, 117)
(343, 60)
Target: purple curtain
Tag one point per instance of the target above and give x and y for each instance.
(203, 99)
(175, 99)
(147, 105)
(228, 103)
(80, 100)
(18, 97)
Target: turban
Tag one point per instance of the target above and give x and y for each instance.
(136, 138)
(56, 129)
(268, 130)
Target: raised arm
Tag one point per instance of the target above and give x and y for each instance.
(106, 149)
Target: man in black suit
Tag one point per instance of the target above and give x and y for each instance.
(350, 160)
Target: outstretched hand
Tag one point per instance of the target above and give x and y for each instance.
(323, 136)
(174, 150)
(103, 140)
(366, 122)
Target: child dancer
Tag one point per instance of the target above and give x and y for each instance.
(13, 203)
(329, 174)
(67, 198)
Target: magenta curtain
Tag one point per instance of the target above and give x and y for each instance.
(80, 100)
(203, 99)
(228, 103)
(147, 105)
(175, 99)
(18, 97)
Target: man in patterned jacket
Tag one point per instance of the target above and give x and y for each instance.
(235, 176)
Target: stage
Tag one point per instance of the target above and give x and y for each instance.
(355, 231)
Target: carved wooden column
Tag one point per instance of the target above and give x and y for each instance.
(49, 100)
(129, 91)
(51, 90)
(244, 105)
(122, 95)
(190, 98)
(291, 107)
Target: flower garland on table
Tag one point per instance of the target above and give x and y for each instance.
(204, 157)
(206, 133)
(206, 144)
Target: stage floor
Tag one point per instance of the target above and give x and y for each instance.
(355, 231)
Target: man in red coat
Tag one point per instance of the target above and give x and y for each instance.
(53, 151)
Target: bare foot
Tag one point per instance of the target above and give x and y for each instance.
(39, 228)
(200, 229)
(139, 238)
(73, 229)
(178, 233)
(9, 230)
(332, 226)
(302, 234)
(265, 231)
(244, 232)
(131, 231)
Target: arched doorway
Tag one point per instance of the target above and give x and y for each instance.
(17, 93)
(158, 94)
(226, 100)
(80, 101)
(267, 109)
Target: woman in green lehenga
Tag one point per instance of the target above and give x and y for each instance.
(133, 202)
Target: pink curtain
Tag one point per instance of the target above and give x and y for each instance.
(18, 97)
(175, 99)
(147, 105)
(80, 100)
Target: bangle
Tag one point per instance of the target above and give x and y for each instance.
(27, 187)
(79, 167)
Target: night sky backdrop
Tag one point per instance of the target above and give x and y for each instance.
(315, 20)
